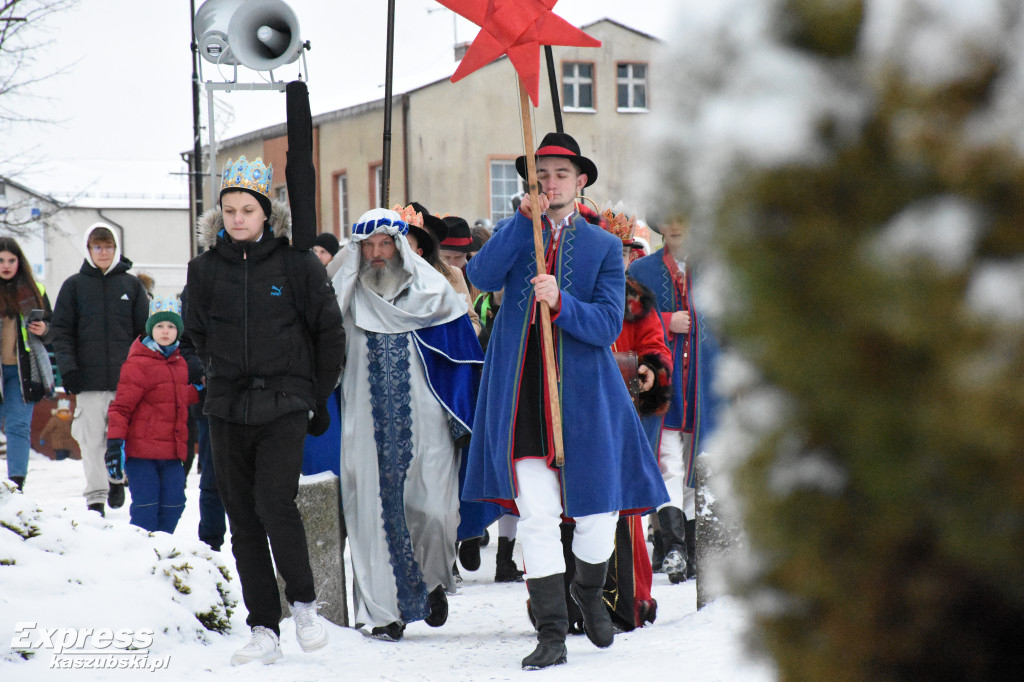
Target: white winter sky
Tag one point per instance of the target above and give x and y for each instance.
(123, 106)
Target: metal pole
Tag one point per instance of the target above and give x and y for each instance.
(385, 171)
(556, 105)
(197, 146)
(213, 141)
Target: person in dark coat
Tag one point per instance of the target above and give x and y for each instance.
(212, 517)
(265, 323)
(147, 423)
(100, 311)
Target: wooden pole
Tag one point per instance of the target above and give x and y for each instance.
(547, 342)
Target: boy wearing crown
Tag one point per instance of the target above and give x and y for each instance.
(147, 423)
(265, 323)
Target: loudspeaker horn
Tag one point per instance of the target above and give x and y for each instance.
(259, 34)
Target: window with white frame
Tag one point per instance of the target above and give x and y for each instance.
(505, 182)
(341, 183)
(578, 86)
(631, 79)
(375, 191)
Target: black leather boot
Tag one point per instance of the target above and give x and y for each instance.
(673, 539)
(691, 548)
(469, 554)
(505, 569)
(18, 481)
(587, 590)
(547, 604)
(658, 555)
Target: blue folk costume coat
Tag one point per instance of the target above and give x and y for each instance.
(696, 413)
(609, 465)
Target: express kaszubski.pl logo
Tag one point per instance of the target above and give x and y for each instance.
(100, 648)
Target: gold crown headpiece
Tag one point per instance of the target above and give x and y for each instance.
(409, 215)
(620, 224)
(253, 176)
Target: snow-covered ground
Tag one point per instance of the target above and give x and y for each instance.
(83, 572)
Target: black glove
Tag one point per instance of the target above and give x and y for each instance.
(72, 382)
(320, 421)
(114, 460)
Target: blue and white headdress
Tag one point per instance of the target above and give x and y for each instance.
(379, 220)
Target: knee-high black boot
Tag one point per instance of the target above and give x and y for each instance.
(547, 603)
(587, 590)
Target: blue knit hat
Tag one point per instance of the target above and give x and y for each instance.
(165, 309)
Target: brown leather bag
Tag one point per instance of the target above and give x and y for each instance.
(630, 369)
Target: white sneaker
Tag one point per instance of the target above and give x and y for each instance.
(264, 647)
(309, 627)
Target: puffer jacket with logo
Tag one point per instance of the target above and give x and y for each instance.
(265, 322)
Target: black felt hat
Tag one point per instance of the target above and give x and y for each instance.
(459, 237)
(431, 221)
(562, 145)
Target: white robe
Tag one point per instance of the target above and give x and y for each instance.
(402, 538)
(430, 495)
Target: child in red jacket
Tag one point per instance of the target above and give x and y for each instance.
(147, 427)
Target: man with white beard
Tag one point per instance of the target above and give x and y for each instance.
(408, 395)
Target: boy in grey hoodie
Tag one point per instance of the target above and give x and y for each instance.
(99, 312)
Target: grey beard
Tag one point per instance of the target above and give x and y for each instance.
(386, 282)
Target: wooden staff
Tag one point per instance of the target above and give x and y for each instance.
(547, 342)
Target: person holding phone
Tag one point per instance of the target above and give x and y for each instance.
(27, 373)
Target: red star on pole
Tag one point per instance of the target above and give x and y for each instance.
(517, 28)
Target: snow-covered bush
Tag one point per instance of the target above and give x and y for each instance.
(857, 169)
(76, 570)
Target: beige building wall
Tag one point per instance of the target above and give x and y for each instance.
(156, 240)
(455, 131)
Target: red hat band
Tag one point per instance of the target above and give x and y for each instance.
(555, 151)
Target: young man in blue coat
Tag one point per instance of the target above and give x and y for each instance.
(609, 466)
(691, 414)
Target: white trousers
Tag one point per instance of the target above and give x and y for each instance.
(540, 513)
(507, 525)
(674, 459)
(90, 430)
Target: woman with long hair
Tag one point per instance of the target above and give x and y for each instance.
(27, 374)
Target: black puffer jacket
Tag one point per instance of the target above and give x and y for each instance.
(95, 320)
(265, 322)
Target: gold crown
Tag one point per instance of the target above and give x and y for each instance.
(409, 215)
(244, 175)
(621, 225)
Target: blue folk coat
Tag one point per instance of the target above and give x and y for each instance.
(696, 414)
(609, 465)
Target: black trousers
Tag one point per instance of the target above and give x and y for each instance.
(258, 471)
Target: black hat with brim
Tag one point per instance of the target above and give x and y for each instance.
(564, 146)
(425, 241)
(431, 221)
(459, 237)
